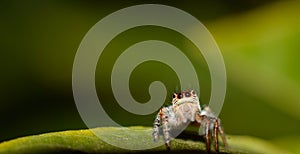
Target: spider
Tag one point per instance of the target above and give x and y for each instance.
(185, 109)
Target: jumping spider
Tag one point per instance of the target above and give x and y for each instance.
(185, 109)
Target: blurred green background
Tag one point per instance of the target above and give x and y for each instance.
(259, 40)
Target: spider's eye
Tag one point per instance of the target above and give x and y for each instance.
(179, 96)
(174, 96)
(193, 92)
(187, 94)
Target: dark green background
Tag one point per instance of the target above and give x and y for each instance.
(259, 41)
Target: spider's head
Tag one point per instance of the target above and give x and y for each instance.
(185, 97)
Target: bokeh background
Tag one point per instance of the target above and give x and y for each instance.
(259, 40)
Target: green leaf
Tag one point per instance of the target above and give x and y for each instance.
(85, 141)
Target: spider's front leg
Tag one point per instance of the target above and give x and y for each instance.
(212, 127)
(165, 127)
(216, 130)
(204, 121)
(156, 125)
(162, 119)
(222, 134)
(207, 133)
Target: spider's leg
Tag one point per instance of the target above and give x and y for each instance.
(156, 125)
(207, 134)
(222, 135)
(198, 117)
(165, 127)
(216, 127)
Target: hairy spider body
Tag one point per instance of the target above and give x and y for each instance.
(185, 109)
